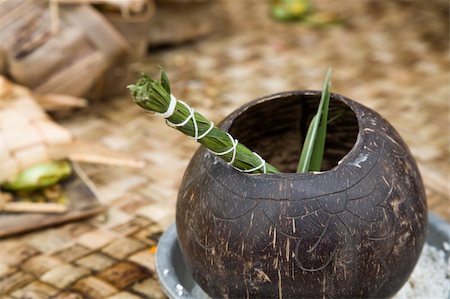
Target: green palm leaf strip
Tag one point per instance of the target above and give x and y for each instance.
(155, 96)
(313, 147)
(308, 146)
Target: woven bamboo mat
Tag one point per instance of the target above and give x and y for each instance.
(389, 56)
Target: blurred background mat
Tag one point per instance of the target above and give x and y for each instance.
(389, 55)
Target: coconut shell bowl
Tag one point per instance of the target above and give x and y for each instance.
(354, 230)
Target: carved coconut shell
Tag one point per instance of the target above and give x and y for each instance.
(355, 230)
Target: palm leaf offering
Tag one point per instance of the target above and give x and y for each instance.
(37, 189)
(39, 176)
(155, 96)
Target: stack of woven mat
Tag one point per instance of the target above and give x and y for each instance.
(28, 136)
(64, 48)
(88, 47)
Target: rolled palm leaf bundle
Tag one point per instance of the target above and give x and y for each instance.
(155, 96)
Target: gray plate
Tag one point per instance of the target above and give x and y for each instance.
(178, 282)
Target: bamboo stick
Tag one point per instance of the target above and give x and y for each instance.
(53, 101)
(82, 151)
(32, 207)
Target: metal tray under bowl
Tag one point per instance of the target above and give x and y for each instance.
(177, 282)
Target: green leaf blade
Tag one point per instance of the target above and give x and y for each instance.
(308, 146)
(165, 81)
(319, 144)
(313, 147)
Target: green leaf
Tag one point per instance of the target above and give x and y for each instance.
(319, 143)
(339, 113)
(308, 145)
(39, 176)
(313, 147)
(165, 81)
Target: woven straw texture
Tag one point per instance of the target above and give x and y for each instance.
(391, 56)
(26, 132)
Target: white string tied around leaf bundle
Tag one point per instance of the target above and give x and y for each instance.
(170, 111)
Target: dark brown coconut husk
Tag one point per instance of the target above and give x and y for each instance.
(353, 231)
